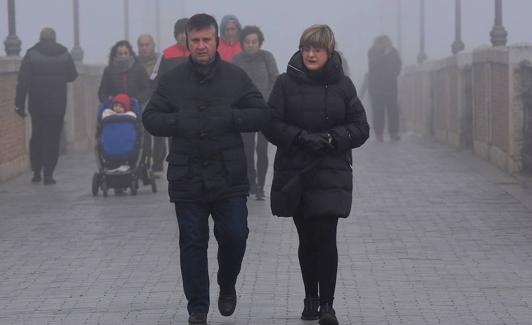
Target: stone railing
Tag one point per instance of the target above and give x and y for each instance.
(80, 119)
(472, 100)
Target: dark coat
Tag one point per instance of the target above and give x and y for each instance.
(324, 102)
(133, 82)
(44, 73)
(204, 113)
(384, 68)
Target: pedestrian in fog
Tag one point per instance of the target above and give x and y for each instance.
(148, 57)
(384, 68)
(317, 119)
(261, 67)
(124, 74)
(44, 73)
(172, 56)
(203, 105)
(230, 38)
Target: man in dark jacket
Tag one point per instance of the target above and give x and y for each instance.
(45, 70)
(203, 105)
(384, 68)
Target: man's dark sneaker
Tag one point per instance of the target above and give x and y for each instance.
(36, 178)
(197, 318)
(327, 315)
(227, 304)
(310, 310)
(49, 181)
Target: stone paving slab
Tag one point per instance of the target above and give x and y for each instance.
(436, 236)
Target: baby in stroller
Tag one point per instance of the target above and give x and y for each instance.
(121, 104)
(119, 148)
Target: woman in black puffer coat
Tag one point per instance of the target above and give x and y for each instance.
(317, 120)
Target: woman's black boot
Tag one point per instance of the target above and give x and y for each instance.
(327, 315)
(310, 311)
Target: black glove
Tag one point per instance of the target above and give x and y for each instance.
(20, 112)
(316, 143)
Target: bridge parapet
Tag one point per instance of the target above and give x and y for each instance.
(473, 100)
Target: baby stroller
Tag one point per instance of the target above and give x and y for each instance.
(119, 152)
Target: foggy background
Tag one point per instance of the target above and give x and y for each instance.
(355, 23)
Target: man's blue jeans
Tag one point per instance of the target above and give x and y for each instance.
(231, 232)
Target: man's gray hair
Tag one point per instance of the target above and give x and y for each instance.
(47, 34)
(148, 36)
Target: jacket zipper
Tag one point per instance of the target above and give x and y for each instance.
(325, 112)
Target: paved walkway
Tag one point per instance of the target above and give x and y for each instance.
(435, 237)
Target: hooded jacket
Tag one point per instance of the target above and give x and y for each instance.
(44, 73)
(324, 101)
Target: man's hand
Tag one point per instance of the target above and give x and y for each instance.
(20, 112)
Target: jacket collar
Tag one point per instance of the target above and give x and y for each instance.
(331, 72)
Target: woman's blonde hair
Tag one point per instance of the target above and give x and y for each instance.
(318, 36)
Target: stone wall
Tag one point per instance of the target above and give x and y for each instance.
(471, 100)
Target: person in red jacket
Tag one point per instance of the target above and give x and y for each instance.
(229, 38)
(174, 54)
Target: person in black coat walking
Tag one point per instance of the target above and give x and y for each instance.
(317, 119)
(203, 105)
(44, 73)
(384, 68)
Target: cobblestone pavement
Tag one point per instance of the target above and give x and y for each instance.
(435, 237)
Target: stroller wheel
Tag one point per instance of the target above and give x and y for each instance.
(104, 188)
(95, 184)
(133, 187)
(153, 185)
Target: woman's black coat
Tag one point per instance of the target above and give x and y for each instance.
(321, 102)
(133, 82)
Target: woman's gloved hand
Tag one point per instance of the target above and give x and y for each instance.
(316, 143)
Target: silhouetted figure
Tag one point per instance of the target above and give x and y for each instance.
(149, 58)
(44, 73)
(384, 68)
(317, 119)
(203, 105)
(261, 67)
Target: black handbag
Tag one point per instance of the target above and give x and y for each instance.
(285, 202)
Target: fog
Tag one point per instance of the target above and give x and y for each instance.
(355, 22)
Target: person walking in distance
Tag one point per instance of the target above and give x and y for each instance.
(44, 73)
(261, 67)
(148, 57)
(384, 68)
(317, 119)
(230, 38)
(203, 105)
